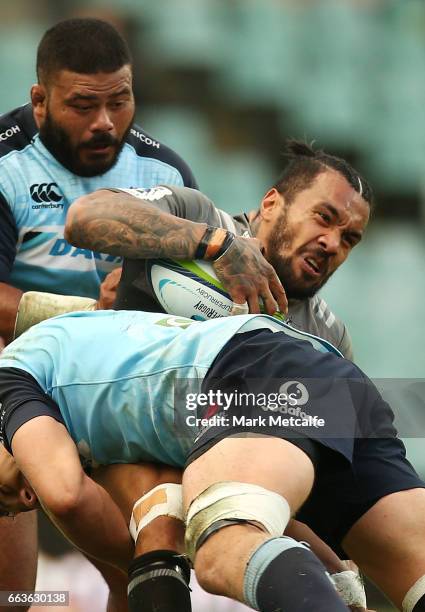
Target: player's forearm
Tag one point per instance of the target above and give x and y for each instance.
(96, 526)
(79, 507)
(117, 223)
(9, 300)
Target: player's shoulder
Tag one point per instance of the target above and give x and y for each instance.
(331, 325)
(17, 129)
(322, 312)
(315, 316)
(146, 145)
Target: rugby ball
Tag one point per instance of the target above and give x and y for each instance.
(188, 289)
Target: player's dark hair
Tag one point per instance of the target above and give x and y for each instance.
(87, 46)
(305, 164)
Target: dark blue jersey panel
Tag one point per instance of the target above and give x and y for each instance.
(8, 239)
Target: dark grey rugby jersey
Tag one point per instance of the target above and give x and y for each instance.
(134, 293)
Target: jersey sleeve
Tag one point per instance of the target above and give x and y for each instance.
(190, 204)
(345, 345)
(21, 399)
(182, 202)
(8, 239)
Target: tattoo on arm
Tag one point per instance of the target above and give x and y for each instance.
(117, 224)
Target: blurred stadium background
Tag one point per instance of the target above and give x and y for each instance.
(225, 81)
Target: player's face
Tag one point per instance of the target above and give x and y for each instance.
(313, 235)
(84, 119)
(16, 495)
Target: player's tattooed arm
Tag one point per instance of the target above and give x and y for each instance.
(117, 223)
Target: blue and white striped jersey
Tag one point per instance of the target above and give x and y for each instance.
(36, 192)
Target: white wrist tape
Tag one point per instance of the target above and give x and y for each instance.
(163, 500)
(349, 586)
(239, 309)
(36, 306)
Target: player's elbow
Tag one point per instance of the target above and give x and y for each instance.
(79, 213)
(75, 217)
(64, 501)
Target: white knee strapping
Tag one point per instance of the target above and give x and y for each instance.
(349, 586)
(235, 500)
(413, 595)
(163, 500)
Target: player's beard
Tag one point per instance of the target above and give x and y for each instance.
(57, 141)
(280, 240)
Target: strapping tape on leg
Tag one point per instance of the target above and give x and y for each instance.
(163, 500)
(413, 595)
(227, 503)
(349, 586)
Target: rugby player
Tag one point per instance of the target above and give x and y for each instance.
(76, 135)
(317, 211)
(350, 477)
(307, 224)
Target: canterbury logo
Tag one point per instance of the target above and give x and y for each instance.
(45, 192)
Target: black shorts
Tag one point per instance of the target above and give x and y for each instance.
(357, 455)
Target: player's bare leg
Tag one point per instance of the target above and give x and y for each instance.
(388, 544)
(159, 574)
(117, 582)
(18, 555)
(235, 509)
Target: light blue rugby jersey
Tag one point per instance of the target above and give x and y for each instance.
(39, 191)
(114, 375)
(46, 261)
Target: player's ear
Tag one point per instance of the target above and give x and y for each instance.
(271, 204)
(39, 102)
(27, 495)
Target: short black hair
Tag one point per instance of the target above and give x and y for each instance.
(87, 46)
(305, 164)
